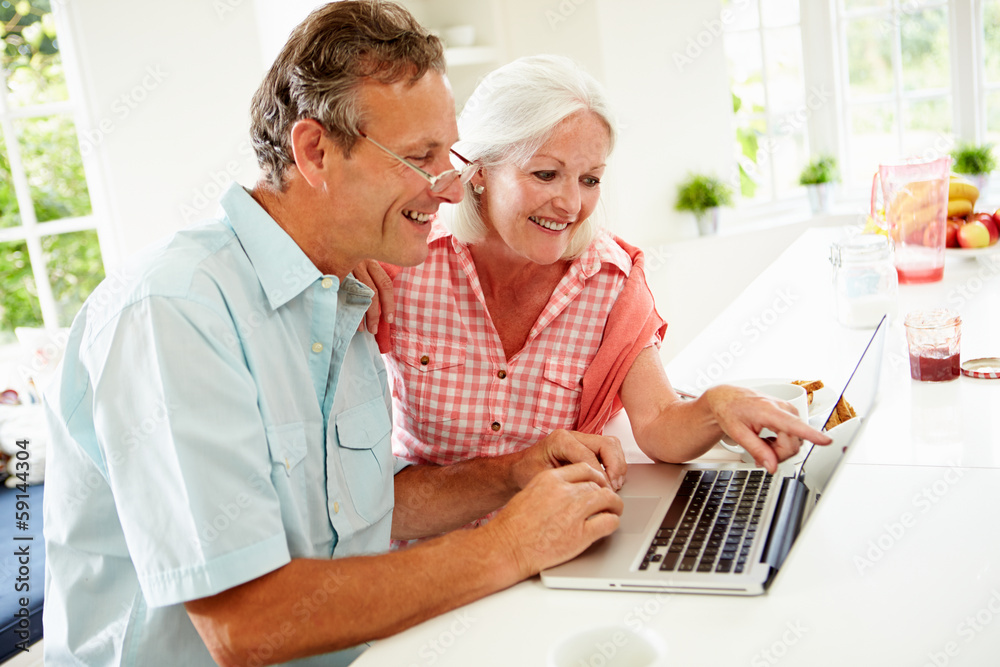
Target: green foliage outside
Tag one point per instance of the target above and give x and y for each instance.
(50, 154)
(700, 192)
(18, 292)
(820, 170)
(748, 138)
(973, 159)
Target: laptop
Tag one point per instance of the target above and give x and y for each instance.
(719, 528)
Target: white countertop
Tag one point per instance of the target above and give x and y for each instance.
(900, 563)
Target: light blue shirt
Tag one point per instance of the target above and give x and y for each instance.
(216, 416)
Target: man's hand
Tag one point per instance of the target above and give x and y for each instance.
(742, 413)
(374, 276)
(559, 514)
(560, 448)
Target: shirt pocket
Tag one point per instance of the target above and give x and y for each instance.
(558, 400)
(433, 373)
(365, 449)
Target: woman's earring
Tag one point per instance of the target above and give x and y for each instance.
(478, 189)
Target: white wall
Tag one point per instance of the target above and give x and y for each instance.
(665, 71)
(166, 89)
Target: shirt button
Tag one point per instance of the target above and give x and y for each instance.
(327, 283)
(424, 360)
(501, 374)
(495, 426)
(317, 347)
(336, 507)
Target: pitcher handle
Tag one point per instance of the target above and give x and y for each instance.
(875, 181)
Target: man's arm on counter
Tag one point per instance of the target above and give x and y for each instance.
(559, 514)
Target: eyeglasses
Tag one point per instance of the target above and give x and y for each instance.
(442, 181)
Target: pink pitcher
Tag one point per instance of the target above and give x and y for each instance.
(915, 196)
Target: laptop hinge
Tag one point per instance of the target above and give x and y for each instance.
(786, 522)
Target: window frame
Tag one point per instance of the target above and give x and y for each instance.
(31, 231)
(824, 56)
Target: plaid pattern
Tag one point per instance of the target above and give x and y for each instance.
(455, 394)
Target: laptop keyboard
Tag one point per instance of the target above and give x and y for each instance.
(711, 523)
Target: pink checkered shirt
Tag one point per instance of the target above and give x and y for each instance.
(455, 394)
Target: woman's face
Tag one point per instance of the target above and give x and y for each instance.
(536, 207)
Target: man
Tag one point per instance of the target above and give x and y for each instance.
(221, 476)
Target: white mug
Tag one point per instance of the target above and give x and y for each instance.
(783, 391)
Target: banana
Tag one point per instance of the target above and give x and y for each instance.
(959, 189)
(918, 199)
(959, 207)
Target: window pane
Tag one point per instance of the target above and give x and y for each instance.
(991, 41)
(872, 139)
(780, 12)
(924, 42)
(54, 168)
(784, 69)
(31, 61)
(18, 293)
(869, 59)
(744, 14)
(866, 4)
(927, 128)
(10, 215)
(752, 148)
(789, 154)
(746, 70)
(993, 117)
(75, 269)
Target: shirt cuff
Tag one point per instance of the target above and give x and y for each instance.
(237, 567)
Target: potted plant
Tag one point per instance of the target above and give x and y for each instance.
(976, 162)
(818, 176)
(702, 195)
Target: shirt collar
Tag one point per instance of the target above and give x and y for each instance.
(603, 250)
(284, 271)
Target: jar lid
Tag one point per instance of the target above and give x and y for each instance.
(861, 248)
(986, 368)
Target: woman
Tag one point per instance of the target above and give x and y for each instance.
(526, 316)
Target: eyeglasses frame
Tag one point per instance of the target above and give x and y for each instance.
(464, 175)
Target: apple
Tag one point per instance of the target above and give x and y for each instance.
(989, 223)
(973, 235)
(951, 231)
(933, 234)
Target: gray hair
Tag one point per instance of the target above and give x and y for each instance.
(320, 69)
(510, 115)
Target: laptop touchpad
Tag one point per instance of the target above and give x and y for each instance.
(636, 514)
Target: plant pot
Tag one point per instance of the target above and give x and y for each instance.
(979, 180)
(708, 221)
(820, 197)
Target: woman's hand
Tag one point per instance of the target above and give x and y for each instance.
(374, 276)
(742, 413)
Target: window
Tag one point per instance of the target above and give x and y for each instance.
(896, 68)
(50, 258)
(867, 81)
(990, 22)
(763, 45)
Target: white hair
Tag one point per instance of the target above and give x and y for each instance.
(512, 112)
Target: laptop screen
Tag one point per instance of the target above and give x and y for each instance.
(860, 393)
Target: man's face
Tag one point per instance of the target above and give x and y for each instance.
(391, 204)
